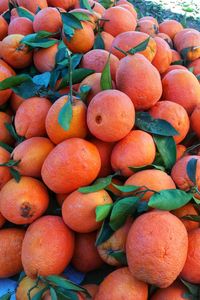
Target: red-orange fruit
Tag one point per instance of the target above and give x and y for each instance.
(4, 6)
(65, 4)
(176, 291)
(180, 151)
(170, 27)
(189, 40)
(179, 36)
(107, 39)
(173, 67)
(45, 59)
(32, 5)
(175, 56)
(148, 27)
(163, 57)
(5, 135)
(166, 38)
(5, 72)
(195, 120)
(5, 175)
(195, 65)
(130, 8)
(50, 244)
(185, 210)
(48, 19)
(70, 165)
(132, 78)
(150, 18)
(20, 25)
(4, 28)
(156, 248)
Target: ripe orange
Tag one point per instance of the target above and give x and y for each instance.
(180, 151)
(189, 39)
(170, 27)
(25, 285)
(48, 19)
(107, 39)
(5, 136)
(150, 18)
(173, 67)
(166, 38)
(20, 25)
(32, 5)
(5, 175)
(5, 72)
(147, 26)
(176, 291)
(4, 28)
(195, 121)
(62, 3)
(185, 210)
(4, 6)
(175, 55)
(130, 8)
(163, 57)
(45, 59)
(195, 65)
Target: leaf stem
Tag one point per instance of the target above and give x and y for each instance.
(70, 77)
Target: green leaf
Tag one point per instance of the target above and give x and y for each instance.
(39, 40)
(65, 284)
(6, 147)
(68, 31)
(38, 296)
(193, 218)
(120, 256)
(102, 211)
(178, 62)
(15, 174)
(121, 210)
(42, 79)
(76, 59)
(184, 52)
(192, 288)
(7, 15)
(81, 16)
(141, 47)
(126, 188)
(10, 163)
(147, 167)
(197, 201)
(53, 294)
(65, 115)
(27, 89)
(13, 133)
(169, 199)
(99, 184)
(105, 233)
(84, 91)
(191, 169)
(6, 297)
(99, 42)
(167, 149)
(198, 76)
(85, 4)
(14, 81)
(188, 9)
(21, 276)
(71, 21)
(77, 76)
(67, 295)
(146, 122)
(24, 13)
(106, 3)
(106, 80)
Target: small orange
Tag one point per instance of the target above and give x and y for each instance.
(5, 175)
(45, 59)
(167, 39)
(25, 285)
(180, 151)
(32, 5)
(20, 25)
(48, 19)
(5, 136)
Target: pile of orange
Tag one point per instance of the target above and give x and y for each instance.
(99, 151)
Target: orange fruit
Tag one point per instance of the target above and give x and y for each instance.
(137, 149)
(195, 121)
(113, 26)
(175, 55)
(16, 54)
(93, 17)
(10, 251)
(170, 27)
(166, 38)
(132, 78)
(176, 291)
(25, 285)
(15, 101)
(5, 175)
(189, 39)
(148, 27)
(84, 206)
(70, 165)
(20, 25)
(45, 59)
(156, 248)
(173, 113)
(23, 202)
(5, 72)
(163, 57)
(50, 244)
(5, 136)
(30, 117)
(48, 19)
(4, 28)
(97, 7)
(32, 153)
(173, 67)
(86, 257)
(2, 220)
(150, 18)
(15, 13)
(116, 121)
(195, 65)
(179, 36)
(107, 39)
(66, 4)
(180, 151)
(152, 179)
(130, 8)
(78, 125)
(120, 284)
(185, 210)
(4, 6)
(32, 5)
(131, 39)
(182, 87)
(96, 60)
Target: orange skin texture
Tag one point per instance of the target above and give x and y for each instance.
(190, 39)
(148, 27)
(62, 3)
(5, 175)
(30, 117)
(117, 242)
(32, 5)
(82, 40)
(152, 179)
(175, 55)
(130, 8)
(170, 27)
(4, 6)
(173, 113)
(151, 19)
(78, 206)
(94, 81)
(86, 257)
(48, 19)
(137, 149)
(5, 72)
(166, 38)
(120, 284)
(196, 66)
(25, 285)
(114, 14)
(78, 125)
(96, 60)
(10, 251)
(105, 150)
(15, 54)
(182, 87)
(132, 78)
(23, 202)
(50, 244)
(173, 67)
(130, 39)
(32, 153)
(107, 39)
(2, 220)
(185, 210)
(156, 254)
(180, 151)
(45, 59)
(163, 57)
(116, 121)
(4, 28)
(20, 25)
(15, 101)
(175, 291)
(70, 165)
(179, 36)
(195, 121)
(5, 136)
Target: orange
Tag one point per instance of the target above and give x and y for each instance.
(78, 210)
(163, 57)
(151, 19)
(78, 125)
(32, 5)
(182, 87)
(116, 121)
(185, 210)
(20, 25)
(30, 117)
(175, 55)
(5, 72)
(48, 19)
(107, 39)
(114, 14)
(45, 59)
(70, 165)
(166, 38)
(5, 136)
(195, 65)
(170, 27)
(120, 284)
(137, 149)
(173, 67)
(10, 251)
(4, 28)
(195, 121)
(176, 291)
(151, 179)
(132, 78)
(86, 257)
(50, 244)
(179, 36)
(5, 175)
(189, 39)
(97, 7)
(15, 101)
(66, 4)
(4, 6)
(2, 220)
(23, 202)
(32, 153)
(130, 8)
(191, 269)
(156, 248)
(96, 60)
(131, 39)
(148, 27)
(25, 285)
(173, 113)
(15, 53)
(93, 17)
(15, 14)
(180, 151)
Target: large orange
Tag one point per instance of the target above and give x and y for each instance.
(176, 291)
(5, 72)
(70, 165)
(32, 5)
(185, 210)
(50, 244)
(5, 175)
(20, 25)
(195, 121)
(4, 28)
(170, 27)
(156, 248)
(48, 19)
(45, 59)
(163, 57)
(5, 136)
